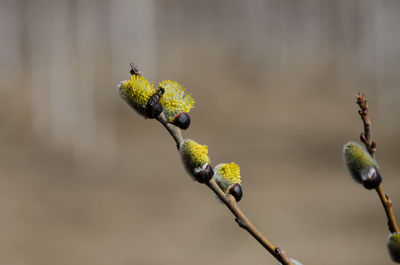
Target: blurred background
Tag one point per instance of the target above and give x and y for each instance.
(84, 180)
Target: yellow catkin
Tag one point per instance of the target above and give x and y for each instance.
(194, 154)
(230, 172)
(138, 90)
(175, 99)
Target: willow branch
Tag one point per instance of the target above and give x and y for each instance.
(231, 203)
(174, 131)
(366, 138)
(245, 223)
(387, 205)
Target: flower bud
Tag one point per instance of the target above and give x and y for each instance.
(137, 92)
(236, 191)
(363, 137)
(196, 160)
(393, 245)
(153, 110)
(227, 176)
(182, 120)
(176, 104)
(362, 167)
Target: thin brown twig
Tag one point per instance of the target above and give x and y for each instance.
(245, 223)
(387, 205)
(366, 138)
(231, 203)
(174, 131)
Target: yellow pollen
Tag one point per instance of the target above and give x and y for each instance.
(196, 153)
(174, 99)
(230, 172)
(138, 89)
(396, 239)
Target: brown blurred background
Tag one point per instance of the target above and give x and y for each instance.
(83, 180)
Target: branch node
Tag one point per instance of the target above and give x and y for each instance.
(241, 223)
(283, 257)
(363, 138)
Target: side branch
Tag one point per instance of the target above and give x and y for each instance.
(245, 223)
(230, 202)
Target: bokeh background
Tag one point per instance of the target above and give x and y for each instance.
(83, 180)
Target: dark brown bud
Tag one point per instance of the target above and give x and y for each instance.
(153, 110)
(372, 182)
(182, 120)
(363, 137)
(373, 145)
(236, 191)
(153, 106)
(204, 176)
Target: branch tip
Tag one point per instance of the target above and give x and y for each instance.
(283, 257)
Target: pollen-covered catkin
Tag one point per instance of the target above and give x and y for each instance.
(227, 176)
(136, 92)
(393, 245)
(196, 161)
(176, 103)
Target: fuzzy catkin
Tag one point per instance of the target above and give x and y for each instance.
(393, 245)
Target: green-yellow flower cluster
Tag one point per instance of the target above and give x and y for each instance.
(362, 167)
(136, 92)
(175, 99)
(227, 176)
(196, 161)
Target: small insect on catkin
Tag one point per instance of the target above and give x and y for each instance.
(176, 104)
(362, 167)
(393, 245)
(196, 161)
(227, 176)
